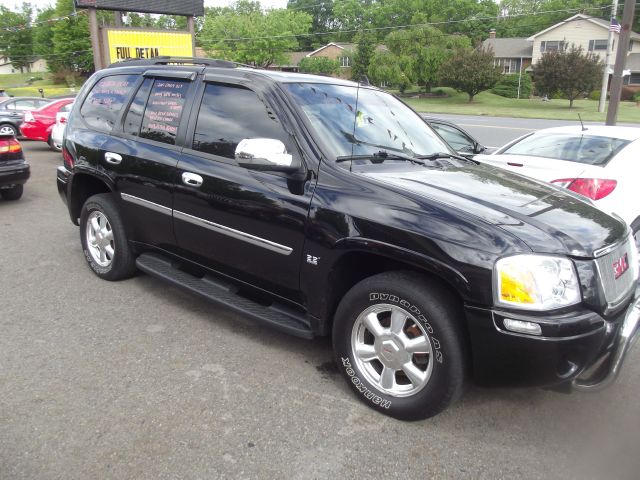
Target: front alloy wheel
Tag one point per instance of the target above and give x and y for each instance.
(392, 349)
(400, 344)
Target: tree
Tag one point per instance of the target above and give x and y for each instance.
(71, 41)
(318, 65)
(16, 43)
(322, 20)
(43, 32)
(470, 71)
(385, 67)
(365, 48)
(244, 33)
(422, 50)
(570, 72)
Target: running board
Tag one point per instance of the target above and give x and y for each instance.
(276, 316)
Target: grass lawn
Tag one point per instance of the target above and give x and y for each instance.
(17, 84)
(493, 105)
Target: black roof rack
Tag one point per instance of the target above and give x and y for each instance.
(167, 60)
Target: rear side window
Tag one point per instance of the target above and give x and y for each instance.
(105, 101)
(133, 120)
(229, 114)
(587, 149)
(164, 109)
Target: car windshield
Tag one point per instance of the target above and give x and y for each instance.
(380, 122)
(588, 149)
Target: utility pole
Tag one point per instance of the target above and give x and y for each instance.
(605, 74)
(621, 58)
(95, 38)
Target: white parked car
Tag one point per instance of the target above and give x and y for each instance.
(599, 162)
(57, 132)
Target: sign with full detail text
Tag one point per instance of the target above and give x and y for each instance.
(126, 44)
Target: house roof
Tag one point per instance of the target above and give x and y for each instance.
(581, 16)
(345, 46)
(510, 47)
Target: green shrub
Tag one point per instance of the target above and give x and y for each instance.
(508, 86)
(594, 95)
(636, 97)
(627, 94)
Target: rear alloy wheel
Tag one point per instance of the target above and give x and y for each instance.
(399, 344)
(8, 129)
(13, 193)
(104, 241)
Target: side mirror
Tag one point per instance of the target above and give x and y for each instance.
(479, 148)
(266, 154)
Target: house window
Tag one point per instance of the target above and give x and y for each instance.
(551, 46)
(634, 79)
(597, 45)
(345, 61)
(509, 65)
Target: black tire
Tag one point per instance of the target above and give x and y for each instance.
(8, 127)
(53, 146)
(121, 263)
(427, 304)
(13, 193)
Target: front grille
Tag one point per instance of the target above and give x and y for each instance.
(615, 289)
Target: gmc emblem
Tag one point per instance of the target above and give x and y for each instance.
(620, 266)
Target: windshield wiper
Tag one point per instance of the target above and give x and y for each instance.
(442, 155)
(381, 156)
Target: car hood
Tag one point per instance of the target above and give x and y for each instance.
(548, 219)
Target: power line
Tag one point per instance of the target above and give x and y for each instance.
(41, 23)
(400, 27)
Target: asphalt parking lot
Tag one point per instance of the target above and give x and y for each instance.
(137, 379)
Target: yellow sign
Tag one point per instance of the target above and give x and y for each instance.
(128, 43)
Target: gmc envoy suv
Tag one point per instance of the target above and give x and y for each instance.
(319, 206)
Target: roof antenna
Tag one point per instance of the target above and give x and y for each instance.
(582, 124)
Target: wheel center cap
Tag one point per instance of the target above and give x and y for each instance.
(392, 353)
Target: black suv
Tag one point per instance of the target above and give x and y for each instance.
(320, 206)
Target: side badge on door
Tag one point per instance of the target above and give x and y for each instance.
(312, 260)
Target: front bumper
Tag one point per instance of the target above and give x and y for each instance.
(578, 349)
(607, 368)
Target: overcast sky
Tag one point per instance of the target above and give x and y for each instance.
(14, 4)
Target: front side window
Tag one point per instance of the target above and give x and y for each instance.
(587, 149)
(105, 101)
(229, 114)
(454, 137)
(164, 110)
(363, 121)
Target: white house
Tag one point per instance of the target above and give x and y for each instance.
(35, 65)
(581, 30)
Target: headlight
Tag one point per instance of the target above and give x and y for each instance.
(535, 282)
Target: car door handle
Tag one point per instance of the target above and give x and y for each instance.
(112, 158)
(513, 164)
(191, 179)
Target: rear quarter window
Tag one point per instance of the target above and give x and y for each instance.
(105, 101)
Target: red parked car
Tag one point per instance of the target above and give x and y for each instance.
(38, 123)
